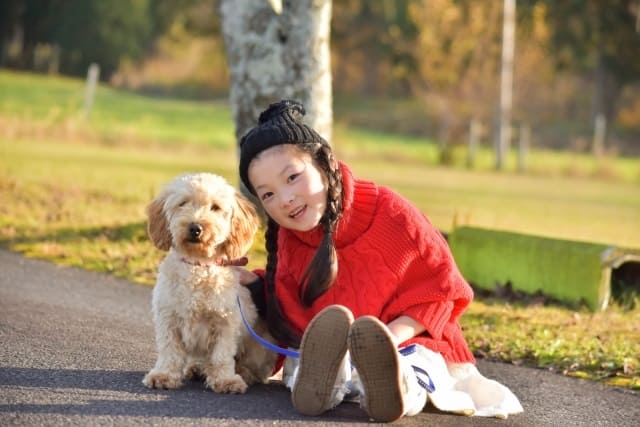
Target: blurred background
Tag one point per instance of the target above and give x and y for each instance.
(419, 67)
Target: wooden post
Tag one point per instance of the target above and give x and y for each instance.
(92, 81)
(523, 146)
(443, 139)
(599, 134)
(506, 81)
(474, 132)
(54, 61)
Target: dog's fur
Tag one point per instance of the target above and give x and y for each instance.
(205, 224)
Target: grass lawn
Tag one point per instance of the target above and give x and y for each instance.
(74, 191)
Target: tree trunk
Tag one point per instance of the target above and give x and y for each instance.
(274, 56)
(506, 82)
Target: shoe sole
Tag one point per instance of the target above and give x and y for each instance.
(323, 347)
(375, 357)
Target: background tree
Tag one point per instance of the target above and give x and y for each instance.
(85, 31)
(29, 23)
(597, 39)
(378, 57)
(457, 55)
(275, 56)
(103, 32)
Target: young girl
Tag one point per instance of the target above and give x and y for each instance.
(341, 248)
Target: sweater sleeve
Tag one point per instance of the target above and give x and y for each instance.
(430, 288)
(432, 293)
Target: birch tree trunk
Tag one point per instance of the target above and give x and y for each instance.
(278, 54)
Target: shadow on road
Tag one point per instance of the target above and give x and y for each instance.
(114, 393)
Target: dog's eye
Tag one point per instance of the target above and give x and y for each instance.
(215, 207)
(182, 203)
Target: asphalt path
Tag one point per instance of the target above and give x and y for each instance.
(74, 346)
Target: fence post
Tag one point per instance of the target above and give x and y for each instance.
(474, 131)
(599, 135)
(92, 81)
(524, 141)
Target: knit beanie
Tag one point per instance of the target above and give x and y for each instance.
(280, 123)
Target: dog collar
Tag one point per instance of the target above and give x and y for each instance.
(220, 262)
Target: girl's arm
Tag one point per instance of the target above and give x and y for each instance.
(404, 328)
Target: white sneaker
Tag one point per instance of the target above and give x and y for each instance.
(416, 381)
(318, 384)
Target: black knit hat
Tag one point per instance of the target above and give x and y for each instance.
(280, 123)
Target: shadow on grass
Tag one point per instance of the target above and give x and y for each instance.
(124, 251)
(132, 232)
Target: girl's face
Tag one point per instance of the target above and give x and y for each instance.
(292, 190)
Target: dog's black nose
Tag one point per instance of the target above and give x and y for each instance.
(195, 230)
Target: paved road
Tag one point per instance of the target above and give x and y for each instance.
(74, 346)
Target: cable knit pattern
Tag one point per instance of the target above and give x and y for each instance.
(391, 261)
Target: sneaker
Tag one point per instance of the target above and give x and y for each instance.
(417, 381)
(376, 359)
(322, 356)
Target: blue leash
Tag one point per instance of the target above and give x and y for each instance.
(263, 342)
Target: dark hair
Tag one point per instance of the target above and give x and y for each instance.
(281, 124)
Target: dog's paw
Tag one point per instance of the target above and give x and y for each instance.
(247, 375)
(234, 384)
(162, 381)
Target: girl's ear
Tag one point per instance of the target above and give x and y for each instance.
(244, 224)
(158, 226)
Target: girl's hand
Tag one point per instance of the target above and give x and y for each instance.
(404, 328)
(245, 276)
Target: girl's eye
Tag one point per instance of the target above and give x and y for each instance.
(293, 177)
(215, 207)
(265, 196)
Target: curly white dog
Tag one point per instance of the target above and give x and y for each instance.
(206, 226)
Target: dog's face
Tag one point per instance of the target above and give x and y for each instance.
(202, 216)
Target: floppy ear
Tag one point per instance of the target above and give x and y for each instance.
(244, 224)
(158, 227)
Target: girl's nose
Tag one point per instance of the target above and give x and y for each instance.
(287, 199)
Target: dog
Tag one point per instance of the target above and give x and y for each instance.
(206, 225)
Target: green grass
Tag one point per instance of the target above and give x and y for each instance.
(75, 191)
(116, 117)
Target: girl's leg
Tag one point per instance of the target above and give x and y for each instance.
(395, 383)
(491, 398)
(459, 387)
(318, 383)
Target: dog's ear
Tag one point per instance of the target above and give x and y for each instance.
(158, 227)
(244, 224)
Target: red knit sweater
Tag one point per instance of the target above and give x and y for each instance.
(391, 262)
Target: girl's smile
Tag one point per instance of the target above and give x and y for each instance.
(292, 190)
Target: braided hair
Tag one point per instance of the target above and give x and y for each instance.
(281, 123)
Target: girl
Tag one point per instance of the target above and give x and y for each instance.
(340, 248)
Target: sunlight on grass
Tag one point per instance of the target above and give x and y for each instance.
(602, 346)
